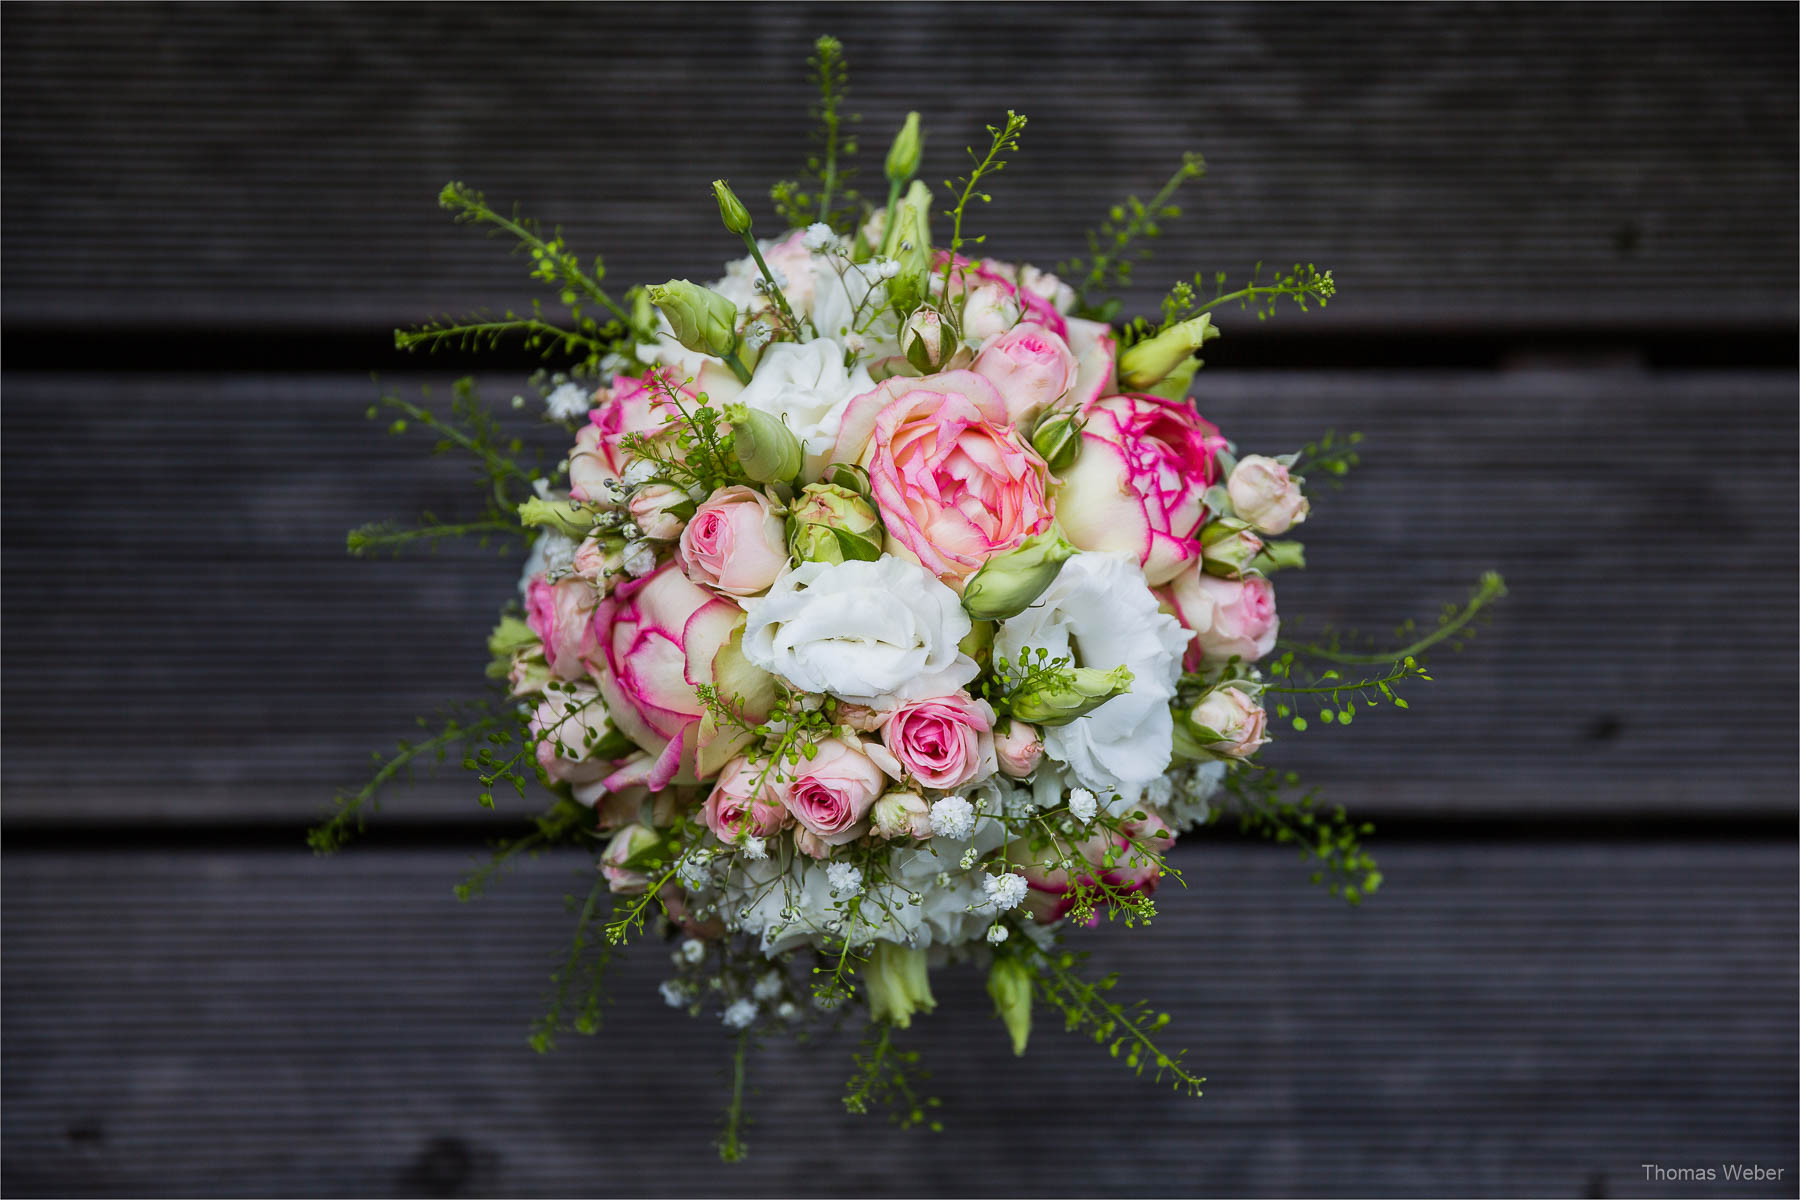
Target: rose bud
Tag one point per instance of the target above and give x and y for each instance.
(1057, 439)
(1032, 368)
(1227, 548)
(1007, 583)
(811, 844)
(765, 447)
(632, 840)
(738, 808)
(1264, 494)
(1151, 360)
(1229, 723)
(701, 319)
(599, 560)
(735, 544)
(1230, 617)
(923, 339)
(897, 982)
(829, 523)
(660, 510)
(901, 814)
(859, 717)
(1060, 697)
(1009, 985)
(1020, 749)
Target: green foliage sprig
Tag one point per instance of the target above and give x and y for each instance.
(889, 1077)
(1330, 455)
(577, 986)
(693, 450)
(1327, 838)
(1125, 1030)
(821, 194)
(552, 262)
(1336, 695)
(1305, 284)
(478, 332)
(1456, 624)
(352, 809)
(1004, 139)
(1114, 248)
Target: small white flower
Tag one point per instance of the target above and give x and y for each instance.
(996, 934)
(694, 872)
(640, 558)
(768, 987)
(844, 878)
(754, 849)
(559, 554)
(693, 950)
(673, 994)
(1006, 891)
(1083, 804)
(952, 817)
(738, 1014)
(567, 402)
(887, 268)
(518, 402)
(613, 364)
(818, 236)
(787, 1010)
(968, 859)
(757, 335)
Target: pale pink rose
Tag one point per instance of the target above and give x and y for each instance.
(1138, 484)
(626, 881)
(570, 725)
(1019, 750)
(598, 562)
(859, 717)
(1264, 494)
(615, 809)
(562, 615)
(988, 310)
(943, 742)
(632, 405)
(659, 636)
(1239, 721)
(996, 301)
(1097, 361)
(1031, 367)
(652, 509)
(735, 543)
(739, 808)
(901, 814)
(811, 844)
(1228, 616)
(1048, 896)
(832, 792)
(953, 480)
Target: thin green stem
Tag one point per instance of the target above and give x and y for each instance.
(774, 289)
(1491, 588)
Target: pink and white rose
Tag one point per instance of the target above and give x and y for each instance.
(1228, 616)
(1030, 366)
(738, 807)
(1138, 484)
(1265, 494)
(832, 792)
(562, 615)
(735, 543)
(944, 742)
(633, 405)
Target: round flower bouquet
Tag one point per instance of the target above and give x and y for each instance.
(888, 608)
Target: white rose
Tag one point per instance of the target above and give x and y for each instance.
(806, 386)
(875, 633)
(1100, 604)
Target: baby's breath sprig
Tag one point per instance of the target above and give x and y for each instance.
(1327, 838)
(577, 986)
(1124, 1029)
(889, 1077)
(1113, 249)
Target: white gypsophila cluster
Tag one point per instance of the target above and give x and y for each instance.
(754, 848)
(1083, 805)
(558, 554)
(996, 934)
(818, 236)
(568, 401)
(1191, 790)
(739, 1014)
(952, 817)
(1005, 892)
(692, 951)
(673, 994)
(640, 558)
(768, 986)
(845, 879)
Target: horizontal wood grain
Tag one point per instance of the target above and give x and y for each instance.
(212, 167)
(1515, 1019)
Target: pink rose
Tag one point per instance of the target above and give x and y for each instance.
(1031, 367)
(1136, 488)
(1019, 750)
(1264, 494)
(626, 881)
(1049, 898)
(632, 405)
(1228, 616)
(811, 844)
(739, 808)
(953, 481)
(570, 725)
(735, 543)
(832, 793)
(562, 615)
(943, 743)
(659, 637)
(1239, 722)
(997, 300)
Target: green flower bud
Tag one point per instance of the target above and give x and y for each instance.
(979, 642)
(1228, 547)
(898, 983)
(850, 477)
(510, 636)
(1058, 439)
(1057, 699)
(731, 209)
(565, 516)
(1176, 384)
(1009, 984)
(1277, 556)
(832, 524)
(1151, 361)
(766, 448)
(903, 155)
(1008, 583)
(909, 240)
(702, 320)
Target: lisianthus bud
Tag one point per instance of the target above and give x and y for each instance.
(898, 984)
(1279, 556)
(903, 155)
(1151, 360)
(1009, 984)
(1227, 548)
(731, 209)
(828, 523)
(1175, 384)
(1265, 494)
(923, 339)
(509, 637)
(848, 476)
(660, 510)
(1057, 439)
(1228, 722)
(909, 239)
(1007, 583)
(701, 319)
(901, 814)
(565, 516)
(766, 448)
(1059, 697)
(1019, 748)
(631, 840)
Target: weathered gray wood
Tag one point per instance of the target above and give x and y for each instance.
(205, 167)
(185, 637)
(1517, 1019)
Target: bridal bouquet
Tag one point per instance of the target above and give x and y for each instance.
(887, 606)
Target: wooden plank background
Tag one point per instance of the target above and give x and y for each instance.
(1566, 241)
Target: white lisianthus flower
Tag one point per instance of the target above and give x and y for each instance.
(1100, 612)
(875, 633)
(807, 387)
(843, 307)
